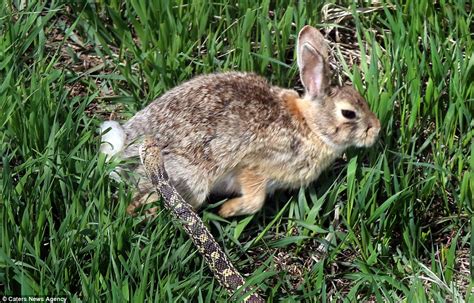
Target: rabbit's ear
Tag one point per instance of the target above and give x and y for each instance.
(312, 61)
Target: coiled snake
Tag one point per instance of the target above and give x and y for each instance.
(223, 270)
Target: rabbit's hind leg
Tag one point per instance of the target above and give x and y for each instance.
(141, 199)
(188, 181)
(191, 181)
(145, 194)
(253, 191)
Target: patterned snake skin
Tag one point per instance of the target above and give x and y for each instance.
(223, 270)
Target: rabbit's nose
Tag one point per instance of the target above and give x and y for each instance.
(369, 126)
(374, 123)
(373, 126)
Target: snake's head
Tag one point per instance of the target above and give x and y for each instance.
(150, 155)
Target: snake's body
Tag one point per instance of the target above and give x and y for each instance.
(223, 270)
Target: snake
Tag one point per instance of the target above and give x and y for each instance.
(220, 265)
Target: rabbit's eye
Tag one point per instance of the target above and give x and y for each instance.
(348, 114)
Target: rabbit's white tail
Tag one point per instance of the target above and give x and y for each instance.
(113, 138)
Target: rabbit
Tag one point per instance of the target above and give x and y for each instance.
(234, 133)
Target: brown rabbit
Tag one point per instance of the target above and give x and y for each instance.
(234, 133)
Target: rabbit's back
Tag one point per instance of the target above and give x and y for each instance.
(214, 117)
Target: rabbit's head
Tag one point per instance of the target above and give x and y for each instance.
(339, 115)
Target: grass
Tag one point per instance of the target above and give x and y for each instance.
(406, 205)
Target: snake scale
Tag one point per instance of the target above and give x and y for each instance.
(224, 271)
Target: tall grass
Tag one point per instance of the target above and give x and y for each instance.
(406, 231)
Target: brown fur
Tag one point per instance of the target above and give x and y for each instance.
(295, 106)
(234, 131)
(253, 190)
